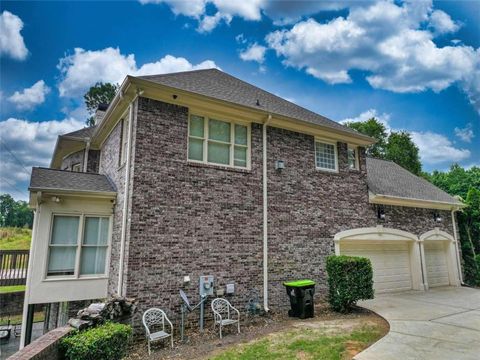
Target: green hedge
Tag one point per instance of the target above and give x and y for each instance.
(105, 342)
(350, 279)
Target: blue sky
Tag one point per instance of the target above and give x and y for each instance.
(414, 65)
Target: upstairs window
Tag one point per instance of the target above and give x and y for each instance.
(78, 246)
(326, 155)
(218, 142)
(353, 157)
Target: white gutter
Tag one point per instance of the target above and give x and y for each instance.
(459, 267)
(125, 201)
(33, 246)
(85, 154)
(265, 215)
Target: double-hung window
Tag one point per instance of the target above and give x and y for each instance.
(326, 155)
(78, 245)
(352, 157)
(218, 142)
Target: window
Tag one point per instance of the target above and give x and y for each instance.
(78, 237)
(77, 167)
(326, 156)
(124, 141)
(217, 142)
(353, 157)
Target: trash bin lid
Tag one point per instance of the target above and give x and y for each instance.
(299, 283)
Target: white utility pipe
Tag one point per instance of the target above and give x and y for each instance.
(459, 267)
(125, 201)
(265, 216)
(85, 155)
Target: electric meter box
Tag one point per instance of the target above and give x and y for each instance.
(206, 285)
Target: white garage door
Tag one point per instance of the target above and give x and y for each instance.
(390, 262)
(436, 263)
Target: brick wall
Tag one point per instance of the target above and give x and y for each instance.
(46, 347)
(77, 158)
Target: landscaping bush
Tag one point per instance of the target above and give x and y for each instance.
(350, 279)
(105, 342)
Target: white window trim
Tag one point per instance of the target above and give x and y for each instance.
(79, 167)
(232, 145)
(330, 142)
(357, 162)
(76, 272)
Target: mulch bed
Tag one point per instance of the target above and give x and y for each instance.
(203, 345)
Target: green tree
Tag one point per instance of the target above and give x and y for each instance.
(100, 93)
(375, 129)
(14, 213)
(402, 150)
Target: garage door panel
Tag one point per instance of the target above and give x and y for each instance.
(390, 262)
(436, 263)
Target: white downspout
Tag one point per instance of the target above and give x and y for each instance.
(265, 216)
(85, 155)
(459, 267)
(125, 201)
(33, 246)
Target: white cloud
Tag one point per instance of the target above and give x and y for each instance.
(11, 41)
(466, 134)
(384, 40)
(436, 148)
(442, 23)
(30, 97)
(254, 52)
(84, 68)
(32, 144)
(193, 8)
(384, 118)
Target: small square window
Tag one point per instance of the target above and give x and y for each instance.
(326, 156)
(77, 167)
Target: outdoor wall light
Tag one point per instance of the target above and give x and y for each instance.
(279, 165)
(55, 199)
(381, 213)
(437, 217)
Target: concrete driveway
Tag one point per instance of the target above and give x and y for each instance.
(442, 323)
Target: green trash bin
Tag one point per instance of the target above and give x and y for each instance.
(301, 294)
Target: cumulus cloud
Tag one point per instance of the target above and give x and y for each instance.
(436, 148)
(386, 41)
(25, 144)
(30, 97)
(442, 23)
(384, 118)
(84, 68)
(466, 134)
(11, 41)
(254, 52)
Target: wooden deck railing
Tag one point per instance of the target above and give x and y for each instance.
(13, 267)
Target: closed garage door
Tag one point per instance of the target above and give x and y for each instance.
(436, 263)
(390, 262)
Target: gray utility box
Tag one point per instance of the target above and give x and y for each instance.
(206, 285)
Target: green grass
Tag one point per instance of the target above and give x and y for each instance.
(15, 238)
(12, 288)
(305, 344)
(17, 319)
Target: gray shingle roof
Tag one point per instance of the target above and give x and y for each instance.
(53, 179)
(219, 85)
(86, 132)
(387, 178)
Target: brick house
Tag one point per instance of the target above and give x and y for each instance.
(199, 173)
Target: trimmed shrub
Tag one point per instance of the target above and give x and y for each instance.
(105, 342)
(350, 279)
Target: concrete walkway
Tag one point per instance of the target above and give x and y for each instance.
(442, 323)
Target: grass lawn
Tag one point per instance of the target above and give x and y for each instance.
(12, 288)
(306, 344)
(15, 238)
(17, 319)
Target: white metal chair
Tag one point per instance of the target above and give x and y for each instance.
(222, 313)
(155, 318)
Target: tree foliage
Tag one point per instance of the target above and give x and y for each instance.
(14, 213)
(100, 93)
(396, 146)
(465, 184)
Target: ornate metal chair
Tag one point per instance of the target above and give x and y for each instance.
(222, 313)
(153, 319)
